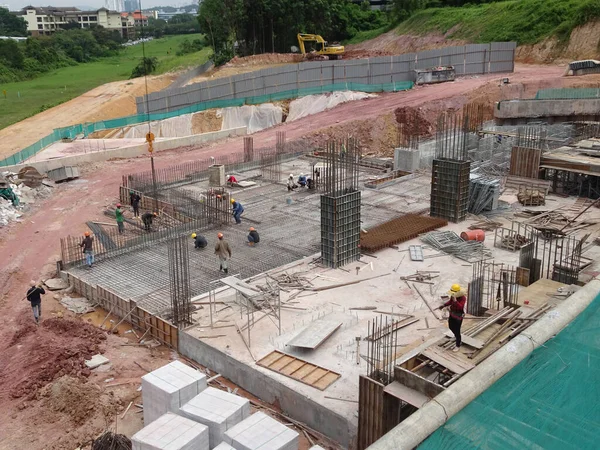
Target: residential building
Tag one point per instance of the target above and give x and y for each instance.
(49, 19)
(136, 18)
(115, 5)
(131, 5)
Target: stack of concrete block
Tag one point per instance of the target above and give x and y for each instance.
(261, 432)
(218, 410)
(167, 389)
(171, 432)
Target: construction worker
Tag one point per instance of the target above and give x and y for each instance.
(147, 218)
(88, 248)
(456, 305)
(253, 237)
(120, 219)
(302, 180)
(34, 296)
(223, 251)
(231, 180)
(199, 241)
(238, 210)
(135, 199)
(290, 184)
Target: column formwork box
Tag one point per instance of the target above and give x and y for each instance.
(340, 229)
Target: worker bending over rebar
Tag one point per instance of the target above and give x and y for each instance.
(253, 237)
(147, 218)
(238, 210)
(456, 305)
(199, 241)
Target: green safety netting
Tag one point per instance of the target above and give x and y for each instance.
(88, 128)
(567, 94)
(549, 401)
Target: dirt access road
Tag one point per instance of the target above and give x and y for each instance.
(29, 250)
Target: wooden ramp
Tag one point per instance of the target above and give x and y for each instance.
(315, 334)
(299, 370)
(448, 360)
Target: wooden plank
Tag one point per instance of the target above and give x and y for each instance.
(414, 381)
(470, 341)
(523, 275)
(406, 394)
(448, 360)
(315, 334)
(242, 287)
(415, 351)
(299, 369)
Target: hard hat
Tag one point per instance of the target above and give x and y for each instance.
(455, 289)
(155, 214)
(87, 233)
(220, 235)
(227, 176)
(301, 174)
(291, 175)
(193, 235)
(118, 205)
(251, 229)
(130, 191)
(232, 200)
(218, 196)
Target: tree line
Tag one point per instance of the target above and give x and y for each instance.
(247, 27)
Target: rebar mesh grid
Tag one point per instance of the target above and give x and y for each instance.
(179, 281)
(450, 190)
(398, 230)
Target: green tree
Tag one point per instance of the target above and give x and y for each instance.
(182, 18)
(11, 24)
(11, 54)
(146, 66)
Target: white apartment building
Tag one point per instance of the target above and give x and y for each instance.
(47, 20)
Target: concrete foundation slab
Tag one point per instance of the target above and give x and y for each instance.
(224, 446)
(171, 432)
(261, 432)
(168, 388)
(218, 410)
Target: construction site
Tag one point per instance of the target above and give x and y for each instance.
(331, 331)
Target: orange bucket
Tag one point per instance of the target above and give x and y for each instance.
(473, 235)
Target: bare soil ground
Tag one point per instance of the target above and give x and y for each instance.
(44, 389)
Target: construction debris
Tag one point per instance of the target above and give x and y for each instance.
(484, 193)
(96, 361)
(56, 284)
(111, 441)
(531, 197)
(451, 243)
(421, 277)
(79, 305)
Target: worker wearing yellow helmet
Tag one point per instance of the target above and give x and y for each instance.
(238, 210)
(199, 241)
(456, 305)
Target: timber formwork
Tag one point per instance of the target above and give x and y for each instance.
(340, 229)
(450, 189)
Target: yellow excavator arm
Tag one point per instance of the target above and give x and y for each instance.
(322, 48)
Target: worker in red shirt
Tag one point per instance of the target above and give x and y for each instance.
(231, 180)
(456, 305)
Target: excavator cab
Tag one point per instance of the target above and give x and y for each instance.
(322, 48)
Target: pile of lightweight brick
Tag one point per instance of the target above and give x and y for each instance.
(182, 413)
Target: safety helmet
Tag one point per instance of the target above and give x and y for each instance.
(87, 233)
(118, 205)
(155, 214)
(193, 235)
(227, 176)
(232, 200)
(455, 289)
(220, 235)
(291, 175)
(218, 196)
(251, 229)
(301, 174)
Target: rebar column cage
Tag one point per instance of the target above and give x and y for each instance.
(450, 189)
(270, 160)
(493, 286)
(532, 137)
(340, 229)
(556, 257)
(407, 138)
(179, 281)
(216, 206)
(340, 171)
(382, 349)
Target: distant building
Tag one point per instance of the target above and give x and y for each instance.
(169, 15)
(138, 19)
(115, 5)
(47, 20)
(131, 5)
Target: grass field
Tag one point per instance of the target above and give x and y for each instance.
(523, 21)
(61, 85)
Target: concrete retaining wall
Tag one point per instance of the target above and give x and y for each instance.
(580, 109)
(270, 390)
(128, 152)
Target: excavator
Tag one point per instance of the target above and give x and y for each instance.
(324, 50)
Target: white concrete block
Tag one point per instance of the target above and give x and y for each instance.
(316, 447)
(96, 361)
(168, 388)
(224, 446)
(218, 410)
(261, 432)
(171, 432)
